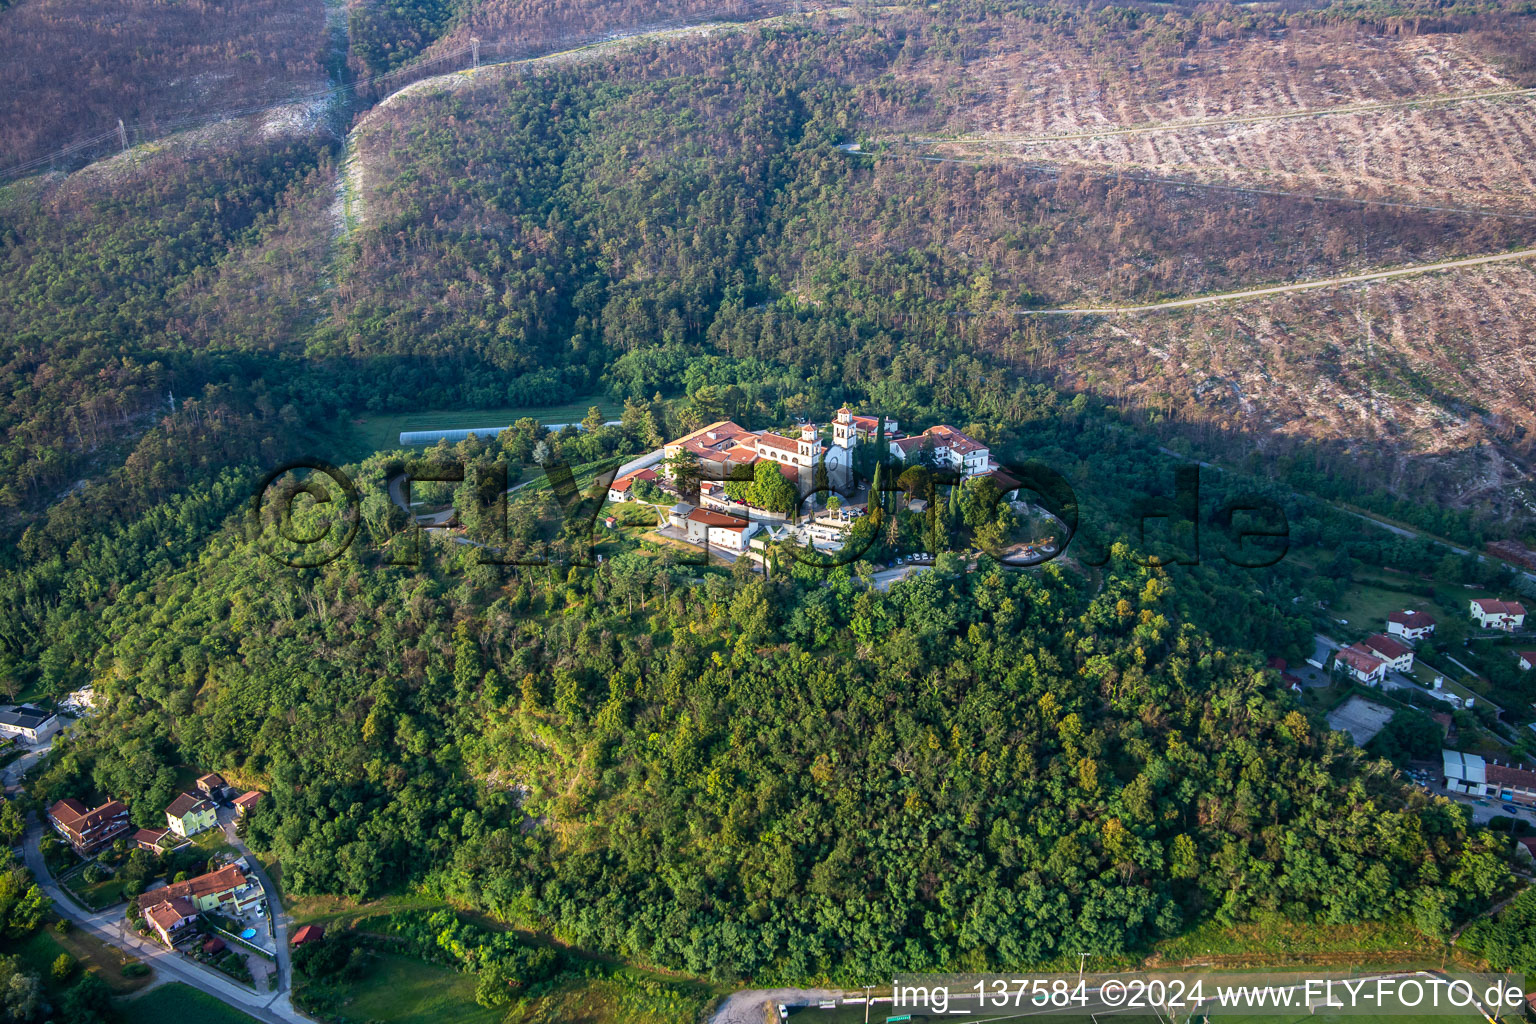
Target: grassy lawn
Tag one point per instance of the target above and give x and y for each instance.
(404, 990)
(1275, 940)
(335, 911)
(39, 950)
(382, 431)
(631, 998)
(178, 1002)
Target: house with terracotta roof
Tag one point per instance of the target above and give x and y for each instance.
(167, 917)
(1526, 660)
(190, 814)
(150, 839)
(308, 933)
(623, 489)
(1491, 614)
(724, 447)
(717, 529)
(1410, 625)
(1359, 662)
(245, 801)
(1397, 655)
(951, 449)
(88, 831)
(171, 908)
(212, 785)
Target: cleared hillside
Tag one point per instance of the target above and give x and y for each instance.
(74, 68)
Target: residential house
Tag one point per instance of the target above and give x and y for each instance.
(623, 489)
(1526, 660)
(190, 814)
(719, 530)
(212, 785)
(1398, 656)
(150, 839)
(1321, 652)
(245, 801)
(1491, 614)
(173, 907)
(1410, 625)
(951, 450)
(167, 916)
(1359, 662)
(88, 830)
(29, 723)
(308, 933)
(226, 887)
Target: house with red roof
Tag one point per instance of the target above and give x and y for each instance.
(308, 933)
(1410, 625)
(88, 830)
(1397, 655)
(1526, 660)
(717, 529)
(1491, 614)
(1359, 662)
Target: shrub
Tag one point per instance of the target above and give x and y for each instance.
(63, 967)
(135, 970)
(63, 925)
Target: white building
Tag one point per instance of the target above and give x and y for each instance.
(1526, 660)
(1410, 625)
(719, 530)
(1491, 614)
(1362, 664)
(29, 723)
(951, 450)
(1398, 656)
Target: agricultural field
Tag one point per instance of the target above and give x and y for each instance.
(381, 431)
(177, 1002)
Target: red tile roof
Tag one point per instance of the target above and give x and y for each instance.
(1388, 648)
(79, 820)
(150, 836)
(308, 933)
(1510, 775)
(229, 877)
(1411, 619)
(247, 800)
(1500, 607)
(778, 441)
(717, 519)
(1528, 656)
(1360, 660)
(944, 434)
(165, 913)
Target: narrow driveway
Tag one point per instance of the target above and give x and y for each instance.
(279, 916)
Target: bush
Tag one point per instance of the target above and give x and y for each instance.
(63, 925)
(135, 970)
(63, 967)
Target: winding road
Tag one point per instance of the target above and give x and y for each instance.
(1284, 289)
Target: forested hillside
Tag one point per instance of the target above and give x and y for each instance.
(772, 778)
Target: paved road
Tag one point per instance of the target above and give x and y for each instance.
(111, 926)
(1285, 289)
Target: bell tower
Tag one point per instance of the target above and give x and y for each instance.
(844, 435)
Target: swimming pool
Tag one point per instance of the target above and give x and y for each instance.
(249, 933)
